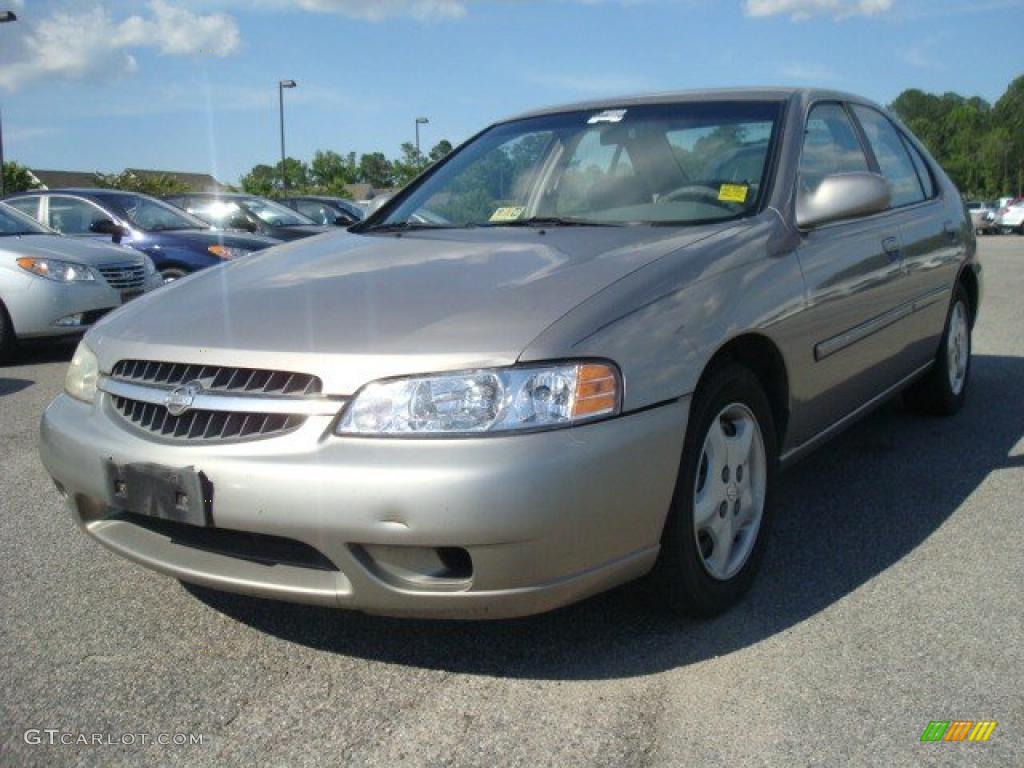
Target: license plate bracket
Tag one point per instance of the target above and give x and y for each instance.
(183, 495)
(132, 293)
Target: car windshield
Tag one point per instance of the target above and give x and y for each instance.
(14, 222)
(151, 215)
(680, 163)
(274, 214)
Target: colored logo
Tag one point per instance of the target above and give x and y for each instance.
(958, 730)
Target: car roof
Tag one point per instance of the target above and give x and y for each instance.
(767, 93)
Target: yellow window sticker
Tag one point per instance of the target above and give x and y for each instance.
(511, 213)
(733, 193)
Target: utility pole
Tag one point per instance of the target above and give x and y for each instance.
(281, 85)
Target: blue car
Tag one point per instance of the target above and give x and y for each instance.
(176, 242)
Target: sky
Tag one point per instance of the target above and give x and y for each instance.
(191, 85)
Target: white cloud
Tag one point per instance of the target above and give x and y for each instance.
(71, 45)
(808, 72)
(799, 10)
(375, 10)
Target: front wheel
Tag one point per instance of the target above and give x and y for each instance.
(716, 529)
(8, 341)
(170, 274)
(943, 390)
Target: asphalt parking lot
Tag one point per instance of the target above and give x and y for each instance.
(891, 596)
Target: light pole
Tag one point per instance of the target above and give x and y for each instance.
(281, 85)
(419, 121)
(5, 16)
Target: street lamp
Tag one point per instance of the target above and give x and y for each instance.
(419, 121)
(281, 85)
(5, 16)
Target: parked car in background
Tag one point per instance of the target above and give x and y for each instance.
(329, 211)
(1010, 218)
(982, 216)
(177, 243)
(249, 213)
(56, 287)
(592, 366)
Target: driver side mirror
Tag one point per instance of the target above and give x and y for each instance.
(108, 227)
(343, 221)
(843, 196)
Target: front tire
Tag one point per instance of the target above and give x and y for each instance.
(170, 274)
(943, 390)
(716, 530)
(8, 340)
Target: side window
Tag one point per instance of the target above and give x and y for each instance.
(73, 216)
(27, 205)
(923, 172)
(318, 212)
(830, 146)
(892, 156)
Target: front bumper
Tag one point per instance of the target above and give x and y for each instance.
(36, 309)
(546, 518)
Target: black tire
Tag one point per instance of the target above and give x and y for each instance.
(8, 340)
(934, 394)
(683, 582)
(170, 274)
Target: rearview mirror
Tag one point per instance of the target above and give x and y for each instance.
(843, 196)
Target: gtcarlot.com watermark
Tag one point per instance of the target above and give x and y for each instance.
(58, 737)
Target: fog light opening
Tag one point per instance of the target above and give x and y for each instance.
(425, 568)
(457, 561)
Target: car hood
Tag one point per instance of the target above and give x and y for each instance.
(81, 250)
(352, 308)
(298, 231)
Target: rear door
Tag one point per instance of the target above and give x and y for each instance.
(933, 231)
(852, 272)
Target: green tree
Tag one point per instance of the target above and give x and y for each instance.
(406, 167)
(329, 172)
(442, 149)
(156, 184)
(261, 180)
(375, 169)
(18, 178)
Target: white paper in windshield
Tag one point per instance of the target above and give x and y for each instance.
(608, 116)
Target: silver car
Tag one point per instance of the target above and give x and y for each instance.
(576, 351)
(53, 286)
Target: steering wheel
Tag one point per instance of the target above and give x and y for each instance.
(702, 192)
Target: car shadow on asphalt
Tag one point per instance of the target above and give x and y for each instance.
(844, 515)
(40, 352)
(11, 386)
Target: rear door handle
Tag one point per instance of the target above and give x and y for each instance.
(891, 245)
(952, 230)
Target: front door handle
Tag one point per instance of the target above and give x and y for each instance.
(891, 245)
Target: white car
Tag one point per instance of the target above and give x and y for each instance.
(1011, 218)
(53, 286)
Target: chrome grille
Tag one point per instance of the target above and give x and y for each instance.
(205, 425)
(123, 276)
(216, 378)
(252, 402)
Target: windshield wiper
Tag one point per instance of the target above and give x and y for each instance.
(405, 226)
(554, 221)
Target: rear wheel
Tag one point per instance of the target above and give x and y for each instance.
(716, 530)
(943, 390)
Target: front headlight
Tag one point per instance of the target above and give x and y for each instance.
(485, 401)
(83, 372)
(148, 265)
(54, 269)
(227, 253)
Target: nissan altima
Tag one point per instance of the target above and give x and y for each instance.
(577, 351)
